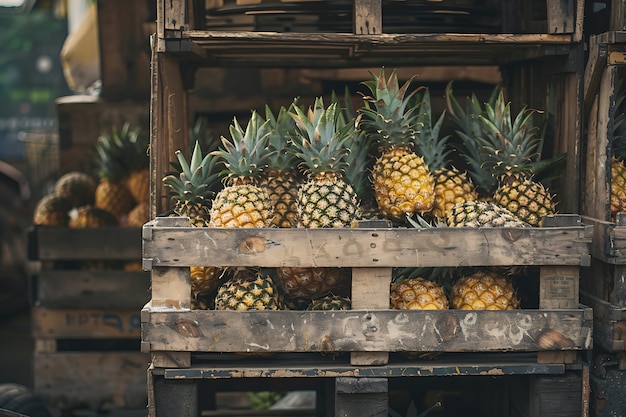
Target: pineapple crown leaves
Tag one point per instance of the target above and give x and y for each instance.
(196, 179)
(512, 144)
(321, 138)
(121, 150)
(466, 119)
(387, 115)
(282, 128)
(432, 147)
(247, 154)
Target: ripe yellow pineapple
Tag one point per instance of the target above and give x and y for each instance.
(243, 203)
(192, 188)
(418, 293)
(451, 185)
(484, 290)
(402, 181)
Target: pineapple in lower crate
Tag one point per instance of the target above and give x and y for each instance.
(248, 289)
(76, 186)
(403, 183)
(451, 185)
(330, 302)
(243, 202)
(192, 188)
(484, 290)
(417, 293)
(52, 210)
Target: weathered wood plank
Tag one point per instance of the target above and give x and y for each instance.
(171, 246)
(368, 17)
(89, 323)
(92, 289)
(561, 16)
(609, 323)
(357, 397)
(71, 380)
(494, 365)
(102, 243)
(363, 330)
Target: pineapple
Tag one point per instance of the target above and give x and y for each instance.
(417, 293)
(111, 193)
(52, 210)
(330, 302)
(618, 169)
(137, 179)
(89, 216)
(139, 215)
(402, 181)
(482, 214)
(451, 185)
(248, 289)
(282, 177)
(484, 290)
(509, 148)
(325, 199)
(193, 188)
(78, 187)
(243, 203)
(359, 162)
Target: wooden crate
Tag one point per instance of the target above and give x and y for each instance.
(81, 120)
(603, 284)
(86, 322)
(189, 345)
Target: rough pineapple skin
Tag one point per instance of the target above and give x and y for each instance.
(618, 187)
(242, 206)
(484, 290)
(114, 197)
(248, 291)
(330, 302)
(297, 282)
(89, 216)
(418, 294)
(529, 200)
(138, 183)
(52, 210)
(78, 187)
(204, 279)
(282, 186)
(451, 187)
(482, 214)
(327, 202)
(402, 183)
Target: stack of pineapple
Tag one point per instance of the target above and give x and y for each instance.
(118, 195)
(328, 166)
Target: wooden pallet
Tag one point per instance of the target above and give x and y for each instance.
(186, 345)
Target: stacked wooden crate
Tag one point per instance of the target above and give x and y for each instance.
(88, 287)
(357, 360)
(85, 319)
(603, 286)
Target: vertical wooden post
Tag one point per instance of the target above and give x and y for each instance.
(361, 397)
(368, 17)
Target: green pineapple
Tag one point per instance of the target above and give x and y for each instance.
(482, 214)
(248, 289)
